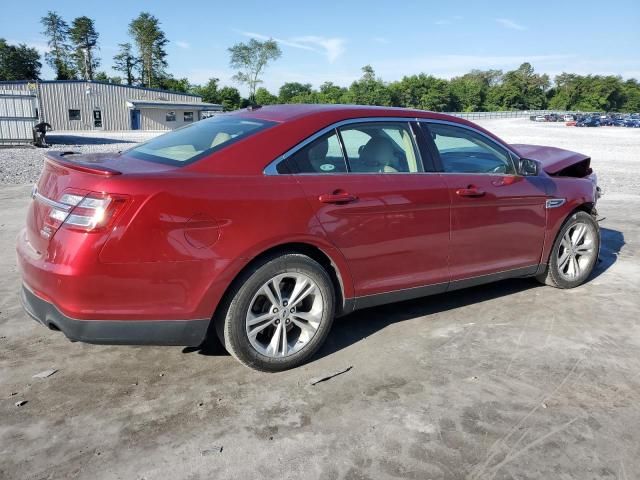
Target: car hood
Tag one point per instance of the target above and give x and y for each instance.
(553, 160)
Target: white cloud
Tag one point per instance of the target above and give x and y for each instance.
(508, 23)
(381, 40)
(40, 46)
(332, 47)
(182, 44)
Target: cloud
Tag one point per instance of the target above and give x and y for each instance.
(40, 46)
(442, 22)
(332, 47)
(508, 23)
(182, 44)
(381, 40)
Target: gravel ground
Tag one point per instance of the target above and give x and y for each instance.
(614, 150)
(20, 165)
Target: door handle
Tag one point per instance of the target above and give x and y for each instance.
(338, 196)
(470, 191)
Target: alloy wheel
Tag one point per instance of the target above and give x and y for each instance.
(284, 315)
(577, 251)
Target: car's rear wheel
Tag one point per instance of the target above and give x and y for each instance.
(575, 252)
(278, 314)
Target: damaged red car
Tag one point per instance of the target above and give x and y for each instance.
(263, 225)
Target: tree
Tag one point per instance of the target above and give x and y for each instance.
(330, 93)
(168, 82)
(290, 90)
(59, 56)
(265, 97)
(84, 37)
(208, 92)
(18, 62)
(230, 98)
(421, 91)
(125, 61)
(250, 59)
(521, 89)
(103, 77)
(369, 90)
(150, 41)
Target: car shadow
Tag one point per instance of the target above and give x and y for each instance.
(359, 325)
(611, 244)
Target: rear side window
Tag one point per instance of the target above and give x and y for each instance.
(380, 147)
(323, 155)
(190, 143)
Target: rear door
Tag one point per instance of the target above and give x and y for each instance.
(497, 216)
(366, 182)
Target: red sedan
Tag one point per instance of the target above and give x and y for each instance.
(263, 225)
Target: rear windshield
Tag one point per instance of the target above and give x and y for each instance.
(190, 143)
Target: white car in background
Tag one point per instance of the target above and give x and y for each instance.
(569, 118)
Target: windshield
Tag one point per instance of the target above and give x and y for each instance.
(190, 143)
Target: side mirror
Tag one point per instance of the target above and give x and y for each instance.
(527, 167)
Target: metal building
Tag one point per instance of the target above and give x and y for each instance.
(18, 115)
(86, 105)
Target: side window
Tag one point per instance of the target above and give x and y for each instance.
(188, 116)
(380, 147)
(74, 114)
(323, 155)
(464, 151)
(170, 117)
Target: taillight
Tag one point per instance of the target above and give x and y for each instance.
(91, 212)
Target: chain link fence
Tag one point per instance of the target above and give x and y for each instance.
(509, 114)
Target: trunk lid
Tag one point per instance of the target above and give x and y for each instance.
(556, 161)
(77, 174)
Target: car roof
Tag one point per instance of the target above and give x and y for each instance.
(286, 113)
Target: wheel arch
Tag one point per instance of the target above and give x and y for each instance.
(554, 226)
(335, 267)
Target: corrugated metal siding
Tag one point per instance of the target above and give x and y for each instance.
(156, 119)
(17, 115)
(56, 99)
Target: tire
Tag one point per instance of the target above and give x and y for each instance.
(264, 299)
(571, 262)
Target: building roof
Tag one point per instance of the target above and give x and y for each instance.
(98, 82)
(169, 104)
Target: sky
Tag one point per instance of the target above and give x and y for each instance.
(332, 40)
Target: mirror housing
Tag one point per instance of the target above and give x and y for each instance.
(528, 167)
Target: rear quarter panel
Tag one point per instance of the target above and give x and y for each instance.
(193, 234)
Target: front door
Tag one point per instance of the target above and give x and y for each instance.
(97, 118)
(388, 217)
(135, 119)
(497, 216)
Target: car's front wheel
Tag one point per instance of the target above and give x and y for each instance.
(575, 252)
(278, 314)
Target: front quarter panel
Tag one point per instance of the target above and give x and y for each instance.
(576, 192)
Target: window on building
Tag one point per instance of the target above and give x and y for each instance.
(171, 117)
(188, 116)
(74, 115)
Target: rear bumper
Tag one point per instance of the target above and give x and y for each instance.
(115, 332)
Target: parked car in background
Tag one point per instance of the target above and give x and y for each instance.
(262, 225)
(588, 122)
(540, 118)
(568, 118)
